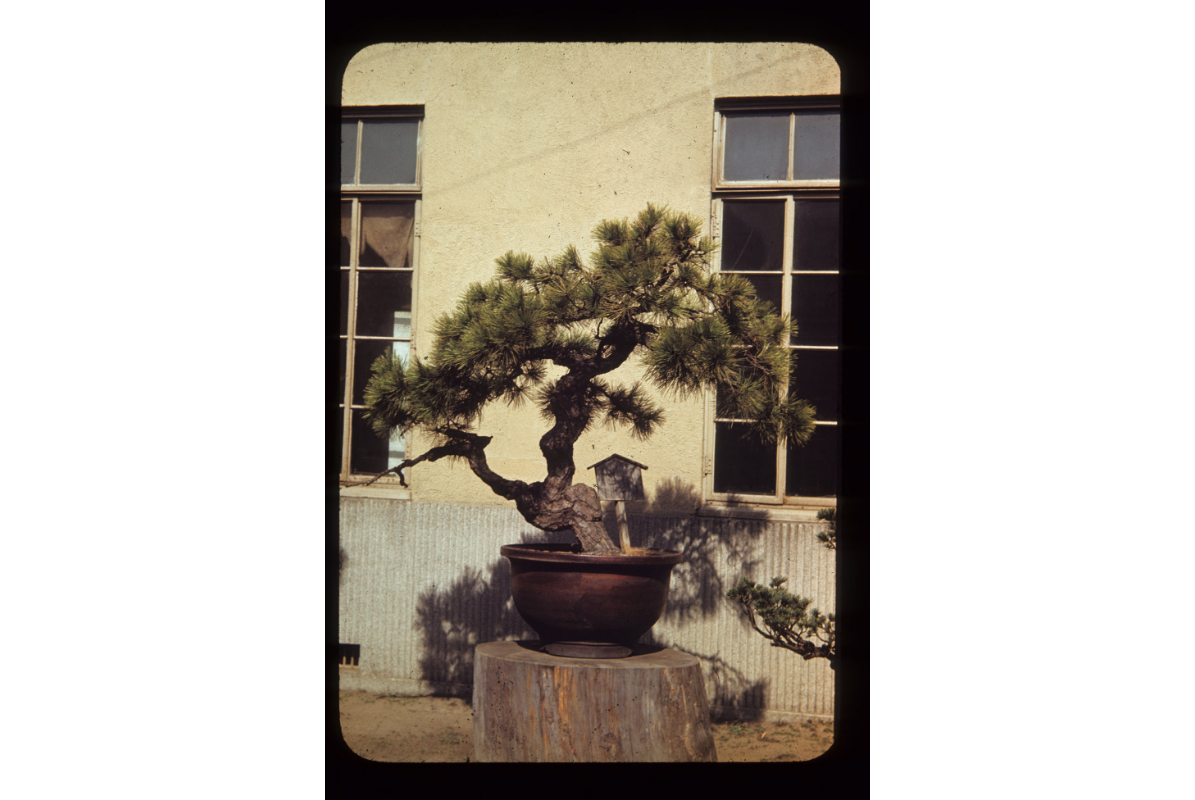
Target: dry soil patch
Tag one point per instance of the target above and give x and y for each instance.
(392, 728)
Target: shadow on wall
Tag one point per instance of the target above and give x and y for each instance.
(668, 521)
(477, 606)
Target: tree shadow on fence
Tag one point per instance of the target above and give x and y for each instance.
(475, 608)
(697, 590)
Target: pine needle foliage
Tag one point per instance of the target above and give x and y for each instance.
(829, 537)
(786, 618)
(647, 290)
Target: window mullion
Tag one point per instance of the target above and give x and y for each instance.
(357, 165)
(786, 282)
(786, 293)
(416, 239)
(419, 155)
(792, 127)
(351, 350)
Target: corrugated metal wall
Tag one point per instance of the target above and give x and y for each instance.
(423, 584)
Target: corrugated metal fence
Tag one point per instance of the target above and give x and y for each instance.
(423, 584)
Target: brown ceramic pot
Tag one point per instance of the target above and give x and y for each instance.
(588, 606)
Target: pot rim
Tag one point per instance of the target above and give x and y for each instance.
(566, 554)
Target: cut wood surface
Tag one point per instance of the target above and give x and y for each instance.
(529, 706)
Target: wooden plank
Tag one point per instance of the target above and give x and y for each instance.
(529, 706)
(624, 532)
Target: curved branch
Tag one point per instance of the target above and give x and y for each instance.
(435, 454)
(474, 451)
(468, 446)
(788, 639)
(621, 340)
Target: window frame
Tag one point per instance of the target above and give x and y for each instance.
(790, 192)
(358, 195)
(790, 104)
(362, 113)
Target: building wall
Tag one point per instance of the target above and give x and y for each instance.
(527, 147)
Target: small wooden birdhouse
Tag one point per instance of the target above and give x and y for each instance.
(619, 478)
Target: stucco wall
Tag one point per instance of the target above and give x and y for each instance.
(526, 147)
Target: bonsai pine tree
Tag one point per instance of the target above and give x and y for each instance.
(648, 290)
(787, 620)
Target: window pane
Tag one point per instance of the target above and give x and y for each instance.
(384, 304)
(366, 352)
(343, 344)
(815, 145)
(346, 232)
(387, 233)
(388, 150)
(816, 380)
(348, 151)
(812, 470)
(344, 302)
(815, 308)
(815, 235)
(752, 235)
(334, 426)
(742, 466)
(371, 453)
(756, 147)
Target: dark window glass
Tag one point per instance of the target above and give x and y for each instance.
(388, 148)
(366, 351)
(816, 380)
(815, 145)
(384, 304)
(334, 420)
(753, 235)
(344, 302)
(370, 452)
(348, 151)
(741, 465)
(812, 470)
(815, 309)
(344, 348)
(346, 232)
(815, 235)
(756, 147)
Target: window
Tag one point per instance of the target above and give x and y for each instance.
(776, 143)
(776, 216)
(379, 256)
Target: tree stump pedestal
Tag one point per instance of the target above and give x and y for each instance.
(532, 706)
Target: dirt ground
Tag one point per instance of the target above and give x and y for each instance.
(392, 728)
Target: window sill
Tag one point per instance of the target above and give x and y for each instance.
(767, 513)
(383, 492)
